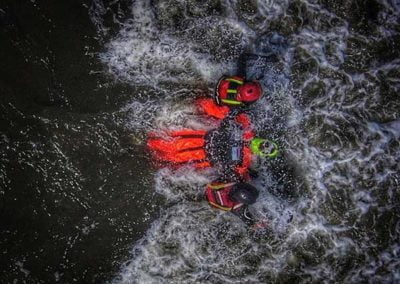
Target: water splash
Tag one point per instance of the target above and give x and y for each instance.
(327, 103)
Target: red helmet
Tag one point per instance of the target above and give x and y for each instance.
(236, 91)
(249, 92)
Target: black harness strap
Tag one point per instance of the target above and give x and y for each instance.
(232, 86)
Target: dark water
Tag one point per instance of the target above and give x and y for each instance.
(73, 192)
(82, 82)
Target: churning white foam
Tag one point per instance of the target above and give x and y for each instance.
(344, 157)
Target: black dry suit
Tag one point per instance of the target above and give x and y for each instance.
(225, 148)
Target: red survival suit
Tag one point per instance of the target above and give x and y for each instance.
(192, 146)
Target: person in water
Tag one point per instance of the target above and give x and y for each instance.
(231, 93)
(231, 146)
(234, 197)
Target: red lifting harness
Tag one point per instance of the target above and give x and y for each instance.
(217, 195)
(235, 91)
(227, 90)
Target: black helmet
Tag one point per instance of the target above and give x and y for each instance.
(244, 193)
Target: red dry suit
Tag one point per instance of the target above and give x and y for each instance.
(196, 146)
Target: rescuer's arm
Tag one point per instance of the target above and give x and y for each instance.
(244, 215)
(245, 122)
(242, 65)
(255, 166)
(208, 107)
(238, 116)
(229, 173)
